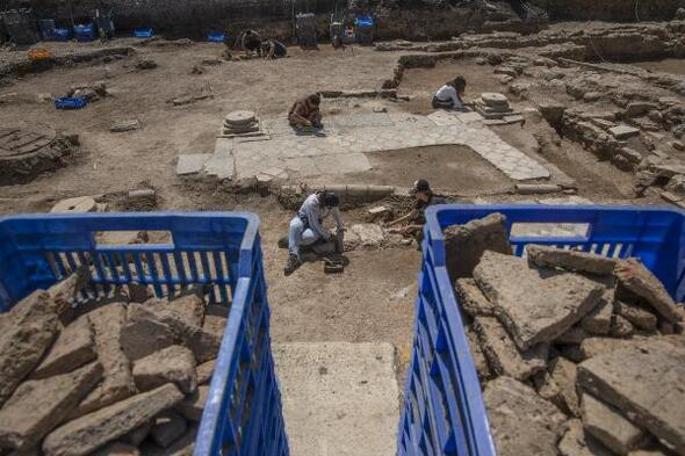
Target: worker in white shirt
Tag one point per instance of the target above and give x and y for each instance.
(307, 228)
(449, 95)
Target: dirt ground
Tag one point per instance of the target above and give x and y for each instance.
(456, 169)
(374, 299)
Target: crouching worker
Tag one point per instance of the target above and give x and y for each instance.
(273, 49)
(305, 114)
(449, 95)
(307, 228)
(416, 218)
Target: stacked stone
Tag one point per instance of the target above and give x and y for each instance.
(577, 354)
(240, 123)
(493, 106)
(124, 377)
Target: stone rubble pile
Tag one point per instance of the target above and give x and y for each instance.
(578, 354)
(121, 377)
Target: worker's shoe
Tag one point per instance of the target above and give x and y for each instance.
(283, 242)
(292, 264)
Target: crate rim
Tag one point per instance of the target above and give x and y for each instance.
(249, 236)
(433, 224)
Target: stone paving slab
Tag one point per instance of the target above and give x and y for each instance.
(348, 136)
(191, 163)
(339, 398)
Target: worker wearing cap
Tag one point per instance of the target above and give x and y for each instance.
(307, 227)
(417, 217)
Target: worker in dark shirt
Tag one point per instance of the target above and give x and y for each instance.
(250, 41)
(273, 49)
(416, 218)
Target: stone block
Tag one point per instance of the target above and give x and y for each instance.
(152, 328)
(548, 389)
(28, 331)
(465, 244)
(125, 125)
(570, 260)
(575, 335)
(634, 277)
(481, 363)
(521, 422)
(595, 346)
(564, 374)
(192, 406)
(472, 300)
(182, 446)
(74, 347)
(639, 108)
(532, 308)
(118, 449)
(623, 132)
(174, 364)
(620, 327)
(86, 434)
(191, 163)
(168, 427)
(503, 356)
(117, 383)
(144, 333)
(644, 382)
(576, 443)
(38, 406)
(138, 435)
(552, 112)
(189, 307)
(215, 325)
(608, 426)
(204, 372)
(598, 322)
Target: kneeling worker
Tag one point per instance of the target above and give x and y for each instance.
(416, 218)
(273, 49)
(305, 113)
(306, 228)
(449, 95)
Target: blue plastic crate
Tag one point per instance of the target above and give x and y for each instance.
(216, 37)
(85, 32)
(364, 21)
(60, 34)
(443, 411)
(143, 32)
(70, 102)
(219, 251)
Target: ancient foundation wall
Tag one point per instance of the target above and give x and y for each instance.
(610, 10)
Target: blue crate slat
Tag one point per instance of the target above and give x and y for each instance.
(443, 411)
(243, 413)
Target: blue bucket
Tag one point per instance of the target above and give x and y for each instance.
(216, 37)
(143, 32)
(85, 32)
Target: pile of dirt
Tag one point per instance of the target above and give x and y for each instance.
(121, 375)
(577, 353)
